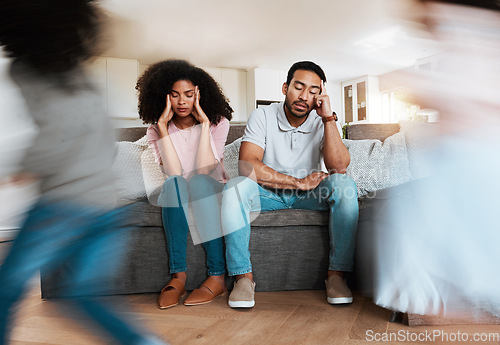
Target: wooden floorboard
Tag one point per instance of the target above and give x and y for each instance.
(288, 317)
(462, 318)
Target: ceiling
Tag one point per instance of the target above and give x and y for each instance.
(347, 38)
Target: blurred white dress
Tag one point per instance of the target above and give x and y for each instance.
(438, 241)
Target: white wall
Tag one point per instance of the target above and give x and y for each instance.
(117, 79)
(234, 85)
(266, 85)
(242, 88)
(334, 90)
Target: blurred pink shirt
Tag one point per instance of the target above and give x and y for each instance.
(186, 145)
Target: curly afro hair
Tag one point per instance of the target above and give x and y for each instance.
(157, 81)
(51, 36)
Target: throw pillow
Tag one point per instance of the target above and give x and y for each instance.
(142, 141)
(377, 165)
(419, 141)
(128, 171)
(137, 174)
(231, 155)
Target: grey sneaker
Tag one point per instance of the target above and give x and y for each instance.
(242, 295)
(337, 290)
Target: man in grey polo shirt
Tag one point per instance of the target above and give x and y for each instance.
(280, 164)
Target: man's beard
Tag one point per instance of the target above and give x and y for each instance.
(289, 106)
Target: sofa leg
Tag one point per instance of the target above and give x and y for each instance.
(396, 316)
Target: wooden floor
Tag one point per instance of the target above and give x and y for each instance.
(296, 317)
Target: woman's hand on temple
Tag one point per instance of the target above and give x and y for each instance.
(167, 114)
(198, 113)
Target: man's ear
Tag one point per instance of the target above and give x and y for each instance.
(284, 88)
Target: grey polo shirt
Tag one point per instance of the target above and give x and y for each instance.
(288, 150)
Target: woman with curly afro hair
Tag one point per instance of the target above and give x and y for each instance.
(189, 118)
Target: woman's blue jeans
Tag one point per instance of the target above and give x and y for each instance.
(204, 194)
(64, 234)
(337, 194)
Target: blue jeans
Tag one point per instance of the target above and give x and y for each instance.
(64, 234)
(337, 193)
(204, 194)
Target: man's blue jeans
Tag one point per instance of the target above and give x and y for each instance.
(337, 193)
(204, 194)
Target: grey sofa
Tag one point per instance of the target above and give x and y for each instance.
(289, 248)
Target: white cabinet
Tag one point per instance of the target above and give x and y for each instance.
(97, 71)
(216, 73)
(234, 84)
(268, 84)
(264, 85)
(361, 100)
(117, 78)
(121, 80)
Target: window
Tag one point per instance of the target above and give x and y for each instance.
(361, 100)
(397, 106)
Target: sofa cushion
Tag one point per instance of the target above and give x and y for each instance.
(376, 165)
(145, 214)
(291, 217)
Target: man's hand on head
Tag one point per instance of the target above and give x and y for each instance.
(322, 103)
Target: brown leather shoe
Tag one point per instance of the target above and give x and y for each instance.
(206, 293)
(171, 294)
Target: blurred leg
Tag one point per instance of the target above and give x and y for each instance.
(96, 256)
(38, 242)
